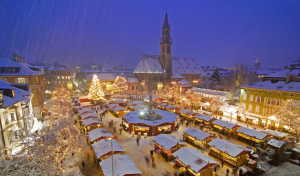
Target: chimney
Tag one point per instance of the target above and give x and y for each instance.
(287, 78)
(285, 67)
(292, 67)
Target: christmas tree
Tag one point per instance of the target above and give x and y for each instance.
(95, 92)
(120, 84)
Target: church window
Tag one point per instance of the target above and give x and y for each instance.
(168, 49)
(163, 48)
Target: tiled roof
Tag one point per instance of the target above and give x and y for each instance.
(23, 68)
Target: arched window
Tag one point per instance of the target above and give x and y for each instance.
(168, 49)
(160, 85)
(163, 48)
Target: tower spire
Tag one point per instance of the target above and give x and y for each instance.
(166, 22)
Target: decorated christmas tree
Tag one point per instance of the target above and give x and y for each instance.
(120, 84)
(95, 92)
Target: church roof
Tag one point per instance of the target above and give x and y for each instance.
(176, 75)
(180, 65)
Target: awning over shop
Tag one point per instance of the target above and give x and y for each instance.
(275, 133)
(166, 126)
(88, 115)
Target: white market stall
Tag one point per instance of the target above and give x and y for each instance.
(275, 134)
(197, 137)
(252, 136)
(225, 126)
(98, 134)
(84, 110)
(167, 143)
(91, 123)
(88, 115)
(102, 148)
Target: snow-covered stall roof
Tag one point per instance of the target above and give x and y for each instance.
(153, 97)
(115, 100)
(123, 165)
(225, 124)
(99, 133)
(167, 141)
(276, 143)
(203, 117)
(92, 121)
(278, 86)
(119, 108)
(85, 110)
(197, 134)
(103, 148)
(88, 115)
(252, 133)
(138, 107)
(133, 80)
(211, 92)
(275, 133)
(194, 159)
(112, 105)
(188, 112)
(177, 76)
(283, 73)
(171, 107)
(133, 117)
(229, 148)
(132, 103)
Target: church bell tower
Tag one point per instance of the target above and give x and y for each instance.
(165, 47)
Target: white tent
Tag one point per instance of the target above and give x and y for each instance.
(103, 148)
(122, 165)
(99, 133)
(166, 141)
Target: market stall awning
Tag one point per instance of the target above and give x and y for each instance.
(225, 124)
(167, 141)
(253, 133)
(194, 159)
(123, 165)
(91, 121)
(103, 148)
(197, 134)
(275, 133)
(229, 148)
(166, 126)
(99, 133)
(88, 115)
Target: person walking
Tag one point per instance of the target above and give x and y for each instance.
(83, 164)
(153, 162)
(240, 172)
(227, 172)
(147, 160)
(137, 141)
(229, 134)
(151, 152)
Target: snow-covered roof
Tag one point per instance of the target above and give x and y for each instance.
(276, 143)
(117, 100)
(171, 107)
(149, 64)
(194, 159)
(88, 115)
(138, 107)
(91, 121)
(132, 80)
(208, 74)
(211, 92)
(283, 73)
(203, 117)
(99, 133)
(112, 105)
(84, 110)
(132, 103)
(123, 165)
(23, 68)
(279, 86)
(184, 82)
(167, 141)
(103, 147)
(229, 148)
(133, 117)
(225, 124)
(153, 97)
(275, 133)
(119, 108)
(188, 112)
(198, 134)
(103, 76)
(252, 133)
(177, 76)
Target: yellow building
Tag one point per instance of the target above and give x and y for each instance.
(16, 70)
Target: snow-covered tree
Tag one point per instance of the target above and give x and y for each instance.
(120, 84)
(216, 82)
(242, 111)
(95, 92)
(216, 103)
(289, 114)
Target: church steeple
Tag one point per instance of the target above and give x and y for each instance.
(165, 46)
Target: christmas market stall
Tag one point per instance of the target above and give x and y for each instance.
(197, 137)
(204, 119)
(167, 144)
(98, 134)
(195, 162)
(136, 107)
(91, 123)
(276, 134)
(173, 109)
(122, 166)
(154, 97)
(188, 113)
(84, 111)
(119, 101)
(103, 150)
(225, 127)
(110, 106)
(161, 105)
(235, 155)
(119, 111)
(88, 115)
(252, 136)
(277, 145)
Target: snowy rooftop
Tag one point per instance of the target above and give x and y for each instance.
(203, 117)
(84, 110)
(211, 92)
(208, 74)
(283, 73)
(119, 108)
(112, 105)
(132, 103)
(279, 86)
(177, 76)
(91, 121)
(194, 159)
(123, 165)
(132, 80)
(275, 133)
(149, 64)
(153, 97)
(88, 115)
(276, 143)
(229, 148)
(252, 133)
(98, 133)
(198, 134)
(167, 141)
(21, 68)
(172, 107)
(138, 107)
(188, 112)
(133, 117)
(103, 147)
(103, 76)
(225, 124)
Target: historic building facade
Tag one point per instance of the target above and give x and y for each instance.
(160, 69)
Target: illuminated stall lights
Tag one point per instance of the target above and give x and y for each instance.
(141, 128)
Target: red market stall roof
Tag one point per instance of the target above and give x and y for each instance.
(99, 133)
(225, 124)
(204, 117)
(102, 148)
(123, 166)
(229, 148)
(84, 110)
(88, 115)
(194, 159)
(253, 133)
(167, 141)
(91, 122)
(197, 134)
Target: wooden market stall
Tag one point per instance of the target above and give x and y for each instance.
(235, 155)
(119, 111)
(136, 107)
(102, 149)
(98, 134)
(188, 113)
(252, 136)
(173, 109)
(161, 105)
(167, 143)
(84, 111)
(123, 166)
(276, 134)
(90, 124)
(111, 106)
(204, 119)
(277, 145)
(195, 162)
(225, 127)
(197, 137)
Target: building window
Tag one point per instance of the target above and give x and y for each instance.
(163, 48)
(37, 80)
(203, 79)
(12, 116)
(245, 97)
(22, 80)
(257, 109)
(3, 79)
(62, 77)
(269, 92)
(57, 77)
(58, 82)
(250, 107)
(251, 97)
(137, 87)
(68, 77)
(292, 95)
(278, 94)
(259, 91)
(258, 99)
(6, 119)
(168, 49)
(132, 87)
(48, 82)
(252, 91)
